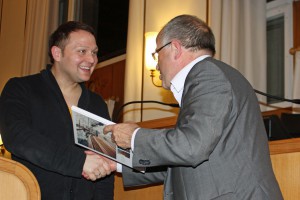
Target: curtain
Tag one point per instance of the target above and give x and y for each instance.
(134, 62)
(1, 2)
(240, 30)
(296, 92)
(41, 20)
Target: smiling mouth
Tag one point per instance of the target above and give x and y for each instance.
(85, 68)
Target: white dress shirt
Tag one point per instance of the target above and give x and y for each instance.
(177, 83)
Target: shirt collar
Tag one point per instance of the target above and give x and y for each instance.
(177, 83)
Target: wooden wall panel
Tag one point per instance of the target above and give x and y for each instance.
(118, 87)
(296, 13)
(138, 193)
(101, 82)
(287, 171)
(108, 81)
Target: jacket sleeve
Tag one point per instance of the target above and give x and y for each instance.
(25, 141)
(206, 105)
(132, 178)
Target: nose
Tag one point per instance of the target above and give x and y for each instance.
(91, 57)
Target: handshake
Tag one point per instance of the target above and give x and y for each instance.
(97, 166)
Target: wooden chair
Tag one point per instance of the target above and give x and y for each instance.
(17, 181)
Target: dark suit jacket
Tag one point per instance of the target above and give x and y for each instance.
(218, 148)
(36, 127)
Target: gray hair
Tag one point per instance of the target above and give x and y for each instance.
(191, 31)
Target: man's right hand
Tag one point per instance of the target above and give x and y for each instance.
(121, 133)
(97, 166)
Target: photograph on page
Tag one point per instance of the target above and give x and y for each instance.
(88, 133)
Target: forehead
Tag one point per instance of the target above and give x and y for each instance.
(81, 37)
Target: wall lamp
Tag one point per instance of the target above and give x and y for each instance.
(2, 149)
(150, 63)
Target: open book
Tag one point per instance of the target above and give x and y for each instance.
(88, 133)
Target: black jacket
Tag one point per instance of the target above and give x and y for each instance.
(36, 127)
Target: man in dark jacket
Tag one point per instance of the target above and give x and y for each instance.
(36, 123)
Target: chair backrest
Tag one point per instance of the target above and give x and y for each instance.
(17, 181)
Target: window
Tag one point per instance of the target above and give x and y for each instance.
(109, 18)
(279, 41)
(63, 11)
(110, 21)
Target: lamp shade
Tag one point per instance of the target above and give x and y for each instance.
(150, 45)
(1, 140)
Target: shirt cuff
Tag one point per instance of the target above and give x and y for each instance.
(133, 137)
(119, 167)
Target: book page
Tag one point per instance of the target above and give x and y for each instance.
(88, 133)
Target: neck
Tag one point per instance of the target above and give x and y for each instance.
(190, 56)
(65, 84)
(71, 90)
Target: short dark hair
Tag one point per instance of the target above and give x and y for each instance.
(191, 31)
(61, 35)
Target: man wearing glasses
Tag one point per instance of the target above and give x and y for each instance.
(218, 148)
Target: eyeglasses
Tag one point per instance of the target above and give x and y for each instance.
(155, 54)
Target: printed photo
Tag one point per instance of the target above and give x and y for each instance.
(88, 133)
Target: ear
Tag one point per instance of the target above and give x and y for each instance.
(177, 48)
(56, 53)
